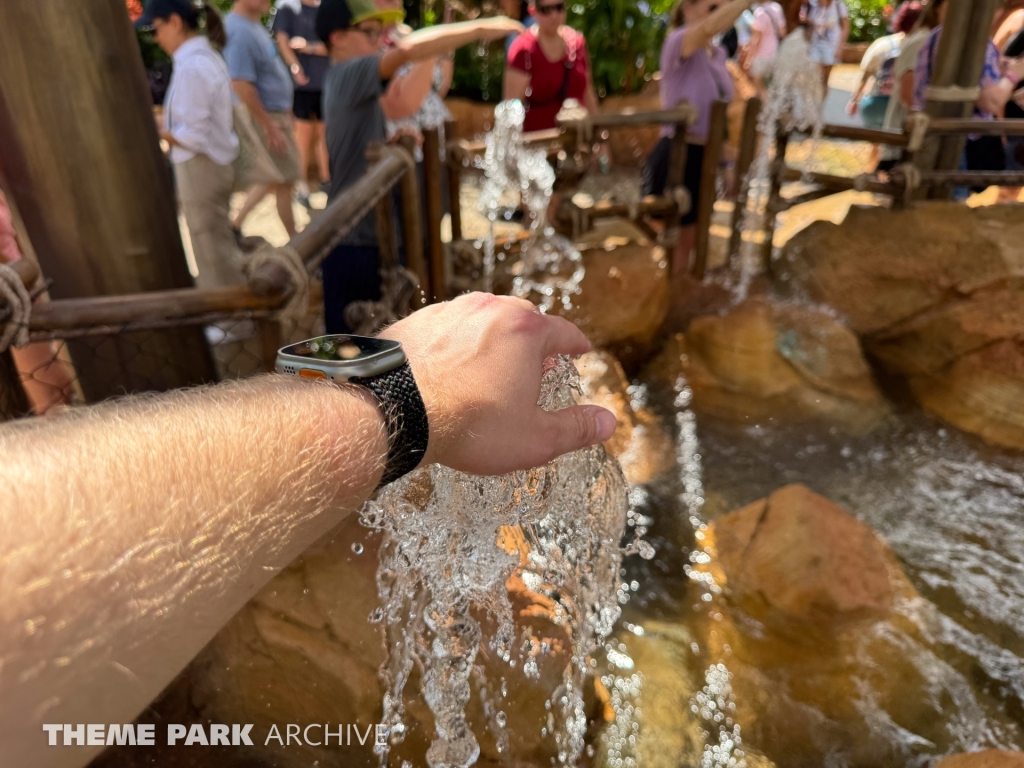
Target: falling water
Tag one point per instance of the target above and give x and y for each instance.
(550, 267)
(453, 541)
(794, 102)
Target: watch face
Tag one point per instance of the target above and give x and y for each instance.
(341, 349)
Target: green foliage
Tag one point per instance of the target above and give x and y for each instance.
(478, 71)
(868, 19)
(623, 39)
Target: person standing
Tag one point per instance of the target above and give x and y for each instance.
(263, 84)
(359, 73)
(693, 69)
(295, 32)
(766, 30)
(878, 69)
(197, 123)
(548, 64)
(829, 22)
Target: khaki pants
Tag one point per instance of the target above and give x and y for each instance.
(204, 189)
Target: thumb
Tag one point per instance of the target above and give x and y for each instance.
(578, 427)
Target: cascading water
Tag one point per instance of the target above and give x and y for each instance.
(443, 571)
(550, 268)
(794, 102)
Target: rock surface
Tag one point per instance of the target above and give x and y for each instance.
(766, 361)
(624, 294)
(640, 444)
(988, 758)
(795, 558)
(941, 304)
(303, 651)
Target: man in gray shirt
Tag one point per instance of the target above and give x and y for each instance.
(262, 82)
(351, 30)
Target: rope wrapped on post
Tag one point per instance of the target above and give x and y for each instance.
(287, 259)
(15, 331)
(952, 93)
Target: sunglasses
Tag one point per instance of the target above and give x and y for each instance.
(373, 34)
(544, 10)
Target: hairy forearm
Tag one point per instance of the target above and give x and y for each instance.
(432, 42)
(251, 98)
(131, 532)
(285, 49)
(720, 20)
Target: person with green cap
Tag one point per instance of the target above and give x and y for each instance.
(359, 73)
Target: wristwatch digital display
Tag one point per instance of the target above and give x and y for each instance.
(380, 366)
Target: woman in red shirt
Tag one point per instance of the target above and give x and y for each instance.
(548, 64)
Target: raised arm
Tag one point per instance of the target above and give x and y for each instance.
(405, 94)
(133, 531)
(435, 41)
(700, 34)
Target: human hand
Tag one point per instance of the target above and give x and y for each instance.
(276, 141)
(299, 76)
(851, 107)
(478, 362)
(297, 43)
(1016, 67)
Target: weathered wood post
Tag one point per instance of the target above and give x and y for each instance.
(81, 159)
(956, 71)
(433, 191)
(717, 127)
(747, 150)
(454, 183)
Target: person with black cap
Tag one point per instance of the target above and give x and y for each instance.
(351, 30)
(198, 125)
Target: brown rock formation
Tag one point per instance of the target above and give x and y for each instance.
(940, 304)
(988, 758)
(639, 443)
(795, 558)
(766, 361)
(624, 295)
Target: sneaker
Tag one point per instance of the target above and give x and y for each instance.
(303, 200)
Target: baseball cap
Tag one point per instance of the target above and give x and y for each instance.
(164, 9)
(333, 15)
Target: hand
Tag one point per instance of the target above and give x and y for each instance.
(851, 107)
(478, 362)
(1016, 67)
(276, 141)
(297, 43)
(299, 76)
(498, 27)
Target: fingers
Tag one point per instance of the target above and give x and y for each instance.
(562, 337)
(577, 427)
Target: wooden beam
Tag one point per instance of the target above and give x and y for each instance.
(81, 159)
(454, 170)
(683, 112)
(745, 158)
(977, 127)
(434, 194)
(717, 128)
(412, 221)
(858, 133)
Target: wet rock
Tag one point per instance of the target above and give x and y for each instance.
(796, 559)
(624, 295)
(303, 651)
(765, 361)
(640, 444)
(988, 758)
(941, 304)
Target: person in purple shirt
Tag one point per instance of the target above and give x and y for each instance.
(693, 70)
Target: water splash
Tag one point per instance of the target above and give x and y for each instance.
(714, 703)
(794, 102)
(550, 267)
(442, 570)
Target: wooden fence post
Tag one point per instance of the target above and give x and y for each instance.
(747, 150)
(454, 184)
(81, 159)
(433, 191)
(708, 179)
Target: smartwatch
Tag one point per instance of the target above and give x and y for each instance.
(380, 366)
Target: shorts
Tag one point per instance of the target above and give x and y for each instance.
(287, 162)
(307, 105)
(655, 175)
(823, 52)
(872, 110)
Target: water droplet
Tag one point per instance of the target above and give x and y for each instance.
(357, 548)
(500, 719)
(645, 550)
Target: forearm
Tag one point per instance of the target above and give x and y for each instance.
(434, 41)
(405, 95)
(993, 98)
(284, 46)
(144, 526)
(702, 33)
(249, 96)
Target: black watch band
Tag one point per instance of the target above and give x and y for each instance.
(405, 416)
